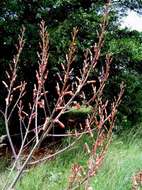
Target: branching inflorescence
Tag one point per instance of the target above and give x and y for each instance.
(99, 119)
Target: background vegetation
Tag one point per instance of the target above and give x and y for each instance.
(61, 16)
(124, 157)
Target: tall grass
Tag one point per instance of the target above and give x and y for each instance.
(123, 160)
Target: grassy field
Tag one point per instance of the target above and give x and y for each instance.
(123, 160)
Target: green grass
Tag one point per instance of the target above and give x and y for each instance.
(123, 160)
(3, 171)
(121, 163)
(83, 111)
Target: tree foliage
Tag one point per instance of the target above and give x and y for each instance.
(60, 17)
